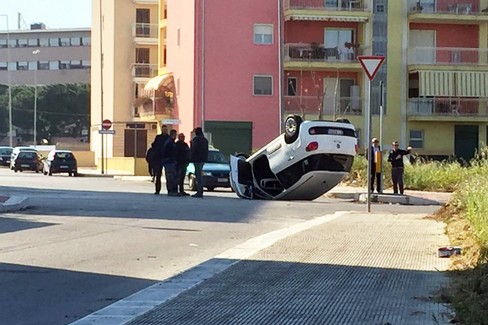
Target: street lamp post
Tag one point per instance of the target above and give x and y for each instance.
(35, 52)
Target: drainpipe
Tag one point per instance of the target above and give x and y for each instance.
(280, 64)
(203, 65)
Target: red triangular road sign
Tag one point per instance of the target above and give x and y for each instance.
(371, 64)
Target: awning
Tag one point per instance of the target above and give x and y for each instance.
(453, 83)
(471, 84)
(162, 82)
(328, 18)
(436, 83)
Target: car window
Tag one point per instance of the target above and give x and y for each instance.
(64, 155)
(5, 151)
(27, 154)
(217, 157)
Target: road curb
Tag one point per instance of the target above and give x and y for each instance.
(385, 198)
(14, 203)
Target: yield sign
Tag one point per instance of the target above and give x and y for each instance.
(371, 64)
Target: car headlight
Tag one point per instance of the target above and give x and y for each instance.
(206, 173)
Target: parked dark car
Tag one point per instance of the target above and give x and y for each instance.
(215, 171)
(27, 160)
(5, 153)
(60, 161)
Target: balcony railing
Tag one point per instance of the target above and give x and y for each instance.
(147, 2)
(452, 7)
(319, 53)
(144, 30)
(447, 55)
(144, 70)
(330, 5)
(448, 107)
(312, 105)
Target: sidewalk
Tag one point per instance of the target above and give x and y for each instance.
(345, 268)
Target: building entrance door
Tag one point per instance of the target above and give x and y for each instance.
(465, 141)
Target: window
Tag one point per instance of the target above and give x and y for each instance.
(3, 43)
(65, 41)
(380, 8)
(263, 34)
(43, 65)
(86, 40)
(12, 43)
(292, 86)
(22, 65)
(53, 65)
(32, 65)
(75, 41)
(337, 38)
(263, 85)
(75, 64)
(54, 42)
(33, 42)
(44, 42)
(3, 66)
(86, 64)
(22, 42)
(63, 65)
(12, 66)
(416, 138)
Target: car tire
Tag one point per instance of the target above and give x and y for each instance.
(16, 170)
(292, 126)
(192, 182)
(70, 174)
(37, 171)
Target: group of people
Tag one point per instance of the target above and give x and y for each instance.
(170, 152)
(395, 158)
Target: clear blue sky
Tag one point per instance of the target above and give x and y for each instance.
(53, 13)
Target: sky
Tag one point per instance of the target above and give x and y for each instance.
(53, 13)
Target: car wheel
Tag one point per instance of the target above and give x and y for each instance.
(210, 188)
(70, 174)
(37, 171)
(192, 182)
(16, 170)
(292, 125)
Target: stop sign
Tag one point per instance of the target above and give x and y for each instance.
(106, 124)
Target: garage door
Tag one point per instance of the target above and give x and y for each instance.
(230, 137)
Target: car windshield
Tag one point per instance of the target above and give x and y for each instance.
(5, 151)
(215, 156)
(64, 155)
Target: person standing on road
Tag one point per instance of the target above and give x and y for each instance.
(150, 162)
(374, 157)
(158, 156)
(169, 164)
(199, 155)
(396, 159)
(182, 151)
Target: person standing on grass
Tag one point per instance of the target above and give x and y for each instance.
(199, 155)
(397, 168)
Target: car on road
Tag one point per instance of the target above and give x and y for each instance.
(27, 160)
(5, 153)
(303, 163)
(16, 151)
(215, 171)
(60, 161)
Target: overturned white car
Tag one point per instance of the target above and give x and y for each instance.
(305, 162)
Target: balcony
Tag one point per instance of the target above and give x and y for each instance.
(327, 5)
(448, 109)
(316, 56)
(429, 10)
(144, 71)
(447, 56)
(145, 34)
(311, 106)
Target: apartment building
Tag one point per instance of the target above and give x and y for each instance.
(238, 68)
(45, 56)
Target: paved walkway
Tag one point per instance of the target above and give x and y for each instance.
(346, 268)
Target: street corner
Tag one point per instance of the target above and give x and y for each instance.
(13, 203)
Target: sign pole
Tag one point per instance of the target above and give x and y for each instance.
(371, 65)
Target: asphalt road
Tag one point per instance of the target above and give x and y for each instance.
(86, 242)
